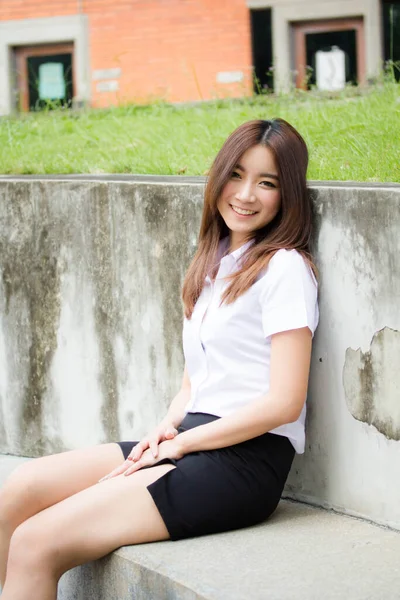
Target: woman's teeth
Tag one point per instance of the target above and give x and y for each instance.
(240, 211)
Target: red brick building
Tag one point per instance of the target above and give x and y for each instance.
(107, 52)
(140, 49)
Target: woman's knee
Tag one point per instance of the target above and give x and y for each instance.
(18, 495)
(29, 548)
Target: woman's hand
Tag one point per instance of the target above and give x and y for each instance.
(167, 449)
(164, 431)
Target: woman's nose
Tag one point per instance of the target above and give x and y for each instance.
(245, 193)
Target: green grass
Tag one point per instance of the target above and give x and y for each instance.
(352, 135)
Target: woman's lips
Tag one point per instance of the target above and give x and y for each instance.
(243, 212)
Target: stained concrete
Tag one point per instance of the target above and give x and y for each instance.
(373, 397)
(90, 310)
(90, 324)
(349, 463)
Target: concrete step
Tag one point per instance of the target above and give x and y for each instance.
(300, 553)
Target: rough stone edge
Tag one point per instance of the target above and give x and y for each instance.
(146, 580)
(185, 180)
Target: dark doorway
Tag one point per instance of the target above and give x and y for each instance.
(391, 34)
(345, 40)
(261, 42)
(343, 37)
(45, 76)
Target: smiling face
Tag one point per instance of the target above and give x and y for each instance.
(251, 198)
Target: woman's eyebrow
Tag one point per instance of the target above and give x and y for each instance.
(269, 175)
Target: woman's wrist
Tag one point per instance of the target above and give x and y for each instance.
(192, 440)
(168, 422)
(172, 419)
(176, 411)
(181, 444)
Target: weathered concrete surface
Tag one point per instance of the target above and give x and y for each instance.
(90, 324)
(90, 312)
(373, 397)
(301, 553)
(349, 464)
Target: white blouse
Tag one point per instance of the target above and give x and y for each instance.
(228, 348)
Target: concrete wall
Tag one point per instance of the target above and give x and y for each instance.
(90, 315)
(352, 461)
(90, 325)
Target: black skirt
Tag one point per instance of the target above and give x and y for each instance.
(219, 490)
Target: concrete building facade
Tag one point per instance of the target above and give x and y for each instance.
(294, 20)
(105, 53)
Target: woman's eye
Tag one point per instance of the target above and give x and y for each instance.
(268, 184)
(235, 175)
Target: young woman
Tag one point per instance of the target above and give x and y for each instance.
(220, 458)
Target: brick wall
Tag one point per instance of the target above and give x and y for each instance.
(165, 48)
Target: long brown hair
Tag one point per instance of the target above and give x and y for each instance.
(290, 229)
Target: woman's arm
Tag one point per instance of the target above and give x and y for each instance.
(166, 430)
(176, 411)
(290, 365)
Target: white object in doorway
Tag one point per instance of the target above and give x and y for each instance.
(330, 69)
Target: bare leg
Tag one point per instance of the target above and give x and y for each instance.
(40, 483)
(82, 528)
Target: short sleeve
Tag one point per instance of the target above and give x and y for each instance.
(288, 294)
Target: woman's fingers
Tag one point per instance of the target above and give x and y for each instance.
(134, 461)
(118, 471)
(147, 460)
(153, 444)
(138, 450)
(170, 433)
(167, 449)
(154, 448)
(135, 467)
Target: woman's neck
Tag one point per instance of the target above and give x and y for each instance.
(236, 243)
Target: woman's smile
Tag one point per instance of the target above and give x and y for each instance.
(242, 212)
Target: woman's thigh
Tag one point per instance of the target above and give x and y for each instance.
(42, 482)
(92, 523)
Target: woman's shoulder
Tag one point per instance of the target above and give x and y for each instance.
(287, 258)
(288, 263)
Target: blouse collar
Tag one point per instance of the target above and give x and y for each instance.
(236, 254)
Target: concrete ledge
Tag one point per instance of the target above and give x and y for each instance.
(301, 553)
(184, 180)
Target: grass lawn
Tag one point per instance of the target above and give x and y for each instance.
(352, 136)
